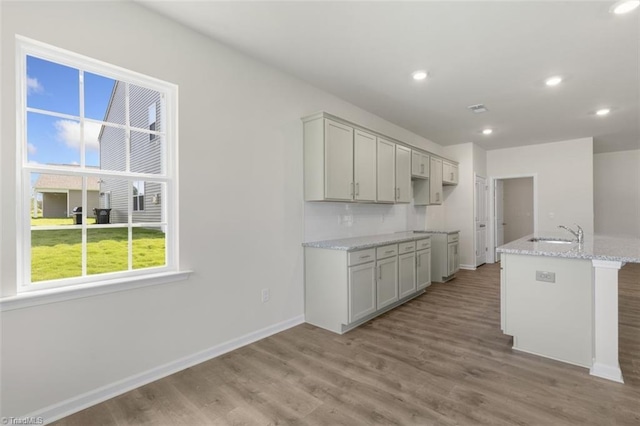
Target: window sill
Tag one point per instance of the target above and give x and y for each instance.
(35, 298)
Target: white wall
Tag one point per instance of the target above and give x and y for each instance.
(241, 178)
(563, 175)
(518, 208)
(616, 186)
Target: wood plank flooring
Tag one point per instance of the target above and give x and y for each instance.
(441, 359)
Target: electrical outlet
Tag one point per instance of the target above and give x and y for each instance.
(547, 277)
(266, 295)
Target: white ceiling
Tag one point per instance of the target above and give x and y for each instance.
(495, 53)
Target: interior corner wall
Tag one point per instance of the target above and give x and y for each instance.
(241, 215)
(563, 178)
(616, 186)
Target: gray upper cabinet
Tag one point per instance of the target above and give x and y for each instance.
(346, 162)
(364, 172)
(435, 181)
(449, 173)
(386, 171)
(419, 165)
(403, 174)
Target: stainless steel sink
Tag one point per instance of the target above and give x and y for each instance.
(551, 240)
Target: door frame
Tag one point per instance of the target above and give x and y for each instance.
(491, 232)
(473, 226)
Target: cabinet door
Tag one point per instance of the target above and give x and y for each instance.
(362, 291)
(407, 274)
(403, 174)
(416, 164)
(435, 181)
(424, 162)
(364, 168)
(423, 269)
(386, 171)
(453, 259)
(449, 173)
(387, 288)
(338, 145)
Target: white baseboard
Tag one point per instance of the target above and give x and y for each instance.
(468, 267)
(609, 372)
(73, 405)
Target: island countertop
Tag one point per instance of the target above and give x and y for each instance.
(596, 247)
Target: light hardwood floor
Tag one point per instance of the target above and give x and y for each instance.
(441, 359)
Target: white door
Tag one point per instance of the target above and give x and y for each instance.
(386, 171)
(338, 145)
(387, 289)
(499, 219)
(364, 145)
(362, 291)
(481, 220)
(407, 274)
(403, 174)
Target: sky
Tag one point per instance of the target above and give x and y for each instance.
(54, 87)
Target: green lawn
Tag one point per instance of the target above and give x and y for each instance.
(57, 253)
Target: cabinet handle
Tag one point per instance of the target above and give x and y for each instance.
(365, 257)
(418, 260)
(398, 193)
(351, 189)
(452, 176)
(422, 168)
(388, 252)
(380, 272)
(358, 188)
(482, 226)
(437, 196)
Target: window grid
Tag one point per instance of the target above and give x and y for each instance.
(165, 175)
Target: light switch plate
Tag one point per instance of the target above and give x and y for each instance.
(547, 277)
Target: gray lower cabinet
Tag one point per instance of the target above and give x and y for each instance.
(445, 256)
(343, 289)
(362, 291)
(407, 274)
(423, 269)
(387, 281)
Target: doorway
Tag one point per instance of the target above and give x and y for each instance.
(480, 219)
(514, 211)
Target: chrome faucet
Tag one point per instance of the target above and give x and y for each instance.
(579, 234)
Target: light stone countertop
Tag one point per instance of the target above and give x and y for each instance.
(442, 231)
(596, 247)
(359, 243)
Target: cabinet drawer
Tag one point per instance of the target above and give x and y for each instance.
(361, 256)
(386, 251)
(452, 238)
(407, 247)
(423, 244)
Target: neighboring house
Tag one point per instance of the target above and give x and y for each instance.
(61, 194)
(145, 151)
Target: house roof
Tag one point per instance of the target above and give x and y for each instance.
(64, 182)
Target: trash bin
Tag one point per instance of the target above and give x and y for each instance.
(102, 216)
(77, 213)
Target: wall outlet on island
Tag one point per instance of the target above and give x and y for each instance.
(266, 295)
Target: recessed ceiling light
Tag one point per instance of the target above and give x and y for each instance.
(603, 111)
(487, 131)
(421, 74)
(555, 80)
(624, 6)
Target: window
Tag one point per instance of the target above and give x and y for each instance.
(138, 196)
(87, 161)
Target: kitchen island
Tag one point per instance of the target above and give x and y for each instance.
(559, 299)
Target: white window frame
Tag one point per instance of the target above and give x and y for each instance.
(28, 47)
